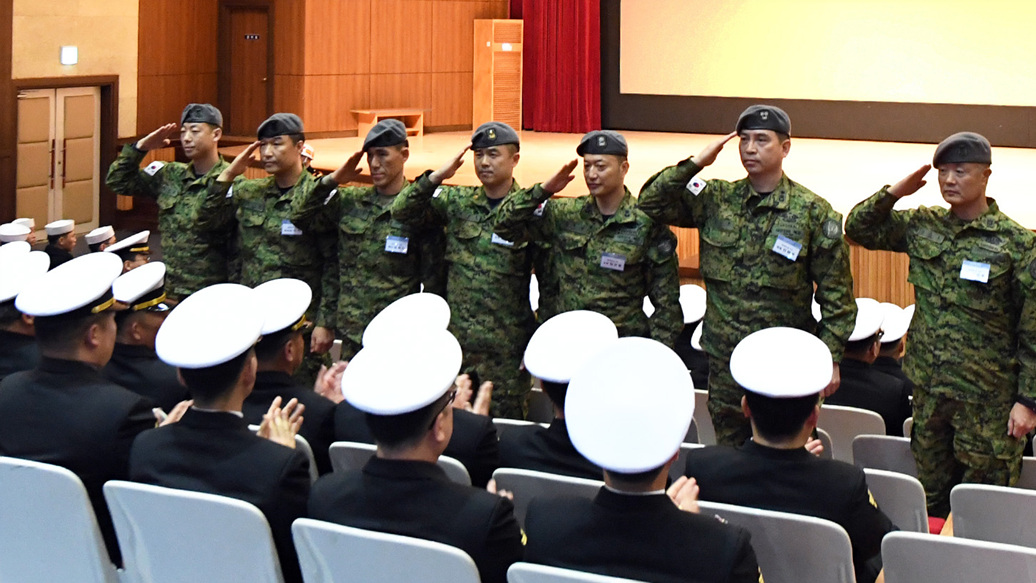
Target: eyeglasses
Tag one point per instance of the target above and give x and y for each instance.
(449, 401)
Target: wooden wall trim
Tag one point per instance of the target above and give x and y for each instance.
(856, 120)
(8, 129)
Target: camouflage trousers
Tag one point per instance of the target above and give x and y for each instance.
(732, 427)
(955, 442)
(511, 382)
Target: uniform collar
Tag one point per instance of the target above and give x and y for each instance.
(66, 367)
(626, 212)
(633, 502)
(207, 419)
(404, 470)
(799, 453)
(213, 172)
(480, 198)
(133, 351)
(779, 199)
(272, 379)
(987, 221)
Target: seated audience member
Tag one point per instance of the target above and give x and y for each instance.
(628, 408)
(474, 441)
(133, 250)
(893, 343)
(279, 353)
(401, 490)
(30, 224)
(61, 240)
(12, 232)
(100, 238)
(863, 386)
(209, 338)
(556, 350)
(692, 303)
(783, 371)
(63, 411)
(18, 267)
(134, 364)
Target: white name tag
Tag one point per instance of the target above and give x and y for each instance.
(394, 244)
(501, 241)
(975, 271)
(787, 248)
(613, 261)
(289, 229)
(153, 168)
(696, 185)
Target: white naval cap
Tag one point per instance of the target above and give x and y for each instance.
(692, 302)
(142, 288)
(406, 315)
(100, 235)
(211, 326)
(534, 293)
(895, 322)
(869, 316)
(12, 232)
(13, 251)
(284, 303)
(84, 283)
(27, 222)
(18, 271)
(136, 243)
(563, 343)
(696, 337)
(629, 406)
(59, 227)
(781, 362)
(377, 382)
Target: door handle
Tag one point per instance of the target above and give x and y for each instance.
(50, 171)
(64, 150)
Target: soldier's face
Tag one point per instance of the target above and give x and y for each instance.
(964, 183)
(138, 260)
(604, 173)
(199, 139)
(762, 151)
(495, 165)
(68, 241)
(280, 155)
(386, 164)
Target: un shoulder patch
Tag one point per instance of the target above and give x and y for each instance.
(832, 229)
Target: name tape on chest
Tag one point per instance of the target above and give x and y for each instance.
(613, 261)
(288, 229)
(498, 240)
(696, 185)
(975, 271)
(394, 244)
(787, 248)
(153, 168)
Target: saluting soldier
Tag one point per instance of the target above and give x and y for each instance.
(604, 254)
(194, 257)
(766, 241)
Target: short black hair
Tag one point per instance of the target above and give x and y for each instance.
(556, 392)
(780, 419)
(405, 430)
(270, 345)
(858, 346)
(628, 481)
(53, 239)
(64, 331)
(8, 314)
(214, 381)
(95, 247)
(296, 138)
(891, 347)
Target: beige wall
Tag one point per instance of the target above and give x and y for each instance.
(926, 51)
(105, 32)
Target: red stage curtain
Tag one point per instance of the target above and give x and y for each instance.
(561, 81)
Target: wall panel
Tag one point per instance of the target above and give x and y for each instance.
(323, 113)
(338, 34)
(401, 36)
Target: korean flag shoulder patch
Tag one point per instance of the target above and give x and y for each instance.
(696, 185)
(153, 168)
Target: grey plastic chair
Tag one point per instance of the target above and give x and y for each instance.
(352, 455)
(994, 513)
(844, 424)
(911, 557)
(884, 452)
(900, 497)
(528, 484)
(1028, 478)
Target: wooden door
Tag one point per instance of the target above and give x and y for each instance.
(247, 74)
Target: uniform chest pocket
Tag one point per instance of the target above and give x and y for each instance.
(786, 259)
(991, 295)
(718, 238)
(719, 232)
(465, 229)
(166, 201)
(353, 225)
(569, 241)
(250, 217)
(927, 263)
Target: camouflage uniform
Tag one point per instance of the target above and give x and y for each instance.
(580, 238)
(194, 258)
(972, 348)
(750, 286)
(487, 285)
(370, 276)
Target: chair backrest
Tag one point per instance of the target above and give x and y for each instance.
(332, 553)
(825, 440)
(792, 548)
(352, 455)
(702, 420)
(502, 424)
(884, 452)
(908, 426)
(528, 484)
(48, 531)
(1028, 477)
(900, 497)
(994, 513)
(910, 557)
(175, 535)
(844, 424)
(541, 408)
(533, 573)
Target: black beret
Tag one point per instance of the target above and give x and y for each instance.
(603, 142)
(280, 124)
(963, 147)
(764, 117)
(493, 133)
(201, 113)
(387, 132)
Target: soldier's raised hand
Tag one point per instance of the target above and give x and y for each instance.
(911, 184)
(559, 181)
(348, 171)
(159, 138)
(240, 163)
(708, 155)
(450, 168)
